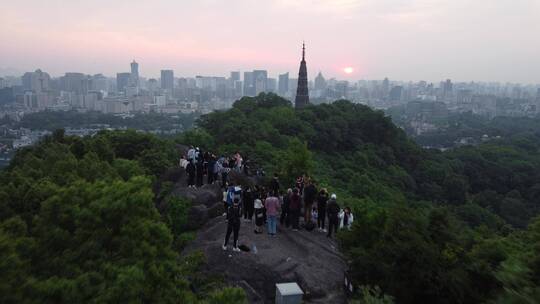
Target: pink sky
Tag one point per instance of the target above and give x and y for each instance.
(487, 40)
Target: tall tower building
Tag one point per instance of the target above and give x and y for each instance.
(302, 94)
(320, 82)
(283, 84)
(167, 80)
(134, 79)
(37, 81)
(122, 81)
(249, 84)
(260, 78)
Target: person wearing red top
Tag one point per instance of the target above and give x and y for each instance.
(272, 205)
(295, 204)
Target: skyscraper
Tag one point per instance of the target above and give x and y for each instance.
(260, 78)
(167, 80)
(283, 84)
(302, 94)
(249, 84)
(122, 81)
(385, 88)
(320, 82)
(447, 87)
(37, 81)
(76, 82)
(134, 80)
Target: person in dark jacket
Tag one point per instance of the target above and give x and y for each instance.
(274, 184)
(284, 218)
(300, 184)
(248, 200)
(332, 210)
(234, 214)
(190, 170)
(310, 193)
(294, 209)
(210, 169)
(322, 198)
(200, 172)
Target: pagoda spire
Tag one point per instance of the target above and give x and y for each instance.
(302, 94)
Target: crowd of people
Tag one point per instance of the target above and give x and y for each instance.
(315, 207)
(265, 206)
(199, 164)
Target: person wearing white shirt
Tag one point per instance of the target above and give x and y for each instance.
(346, 218)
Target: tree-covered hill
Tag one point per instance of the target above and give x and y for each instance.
(78, 221)
(432, 227)
(78, 224)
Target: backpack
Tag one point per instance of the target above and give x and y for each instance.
(310, 226)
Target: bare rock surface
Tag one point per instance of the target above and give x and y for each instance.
(306, 257)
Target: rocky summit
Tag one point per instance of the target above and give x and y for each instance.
(306, 257)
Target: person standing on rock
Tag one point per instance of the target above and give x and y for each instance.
(190, 170)
(274, 184)
(332, 209)
(272, 207)
(234, 214)
(259, 216)
(346, 219)
(294, 209)
(310, 192)
(284, 219)
(210, 169)
(248, 201)
(300, 184)
(217, 169)
(322, 198)
(191, 154)
(183, 162)
(200, 172)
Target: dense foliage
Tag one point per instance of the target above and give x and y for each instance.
(432, 227)
(78, 224)
(78, 221)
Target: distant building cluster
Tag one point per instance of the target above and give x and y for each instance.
(129, 92)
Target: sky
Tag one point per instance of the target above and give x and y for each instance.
(464, 40)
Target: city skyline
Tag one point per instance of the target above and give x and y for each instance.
(407, 40)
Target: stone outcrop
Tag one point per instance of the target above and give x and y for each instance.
(308, 258)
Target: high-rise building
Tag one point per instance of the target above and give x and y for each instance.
(302, 94)
(447, 88)
(260, 78)
(37, 81)
(152, 85)
(385, 90)
(77, 83)
(134, 80)
(249, 84)
(99, 83)
(320, 82)
(167, 80)
(235, 76)
(283, 84)
(395, 93)
(122, 81)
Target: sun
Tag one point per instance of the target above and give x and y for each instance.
(348, 70)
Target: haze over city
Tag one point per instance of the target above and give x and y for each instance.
(407, 40)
